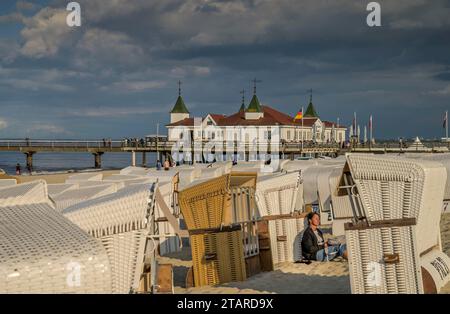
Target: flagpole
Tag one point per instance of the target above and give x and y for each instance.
(302, 131)
(371, 131)
(446, 126)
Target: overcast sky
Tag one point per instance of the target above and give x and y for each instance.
(116, 75)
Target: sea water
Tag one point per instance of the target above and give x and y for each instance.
(62, 162)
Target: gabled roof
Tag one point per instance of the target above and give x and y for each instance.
(217, 117)
(254, 105)
(271, 117)
(184, 122)
(179, 107)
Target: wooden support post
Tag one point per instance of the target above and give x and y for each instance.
(98, 159)
(144, 159)
(30, 160)
(133, 158)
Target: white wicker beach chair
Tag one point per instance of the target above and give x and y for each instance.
(26, 193)
(55, 189)
(277, 194)
(72, 197)
(134, 171)
(7, 182)
(285, 239)
(125, 223)
(400, 201)
(43, 252)
(84, 177)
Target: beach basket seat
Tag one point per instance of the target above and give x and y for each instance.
(398, 205)
(285, 239)
(277, 195)
(7, 182)
(140, 171)
(126, 253)
(123, 211)
(212, 172)
(280, 240)
(84, 184)
(84, 177)
(341, 206)
(188, 175)
(323, 187)
(445, 232)
(298, 165)
(310, 188)
(41, 251)
(75, 196)
(55, 189)
(169, 240)
(370, 269)
(25, 193)
(217, 257)
(122, 222)
(444, 160)
(244, 209)
(206, 205)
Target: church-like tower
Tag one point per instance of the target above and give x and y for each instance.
(179, 111)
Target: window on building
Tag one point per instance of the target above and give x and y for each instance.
(213, 135)
(288, 135)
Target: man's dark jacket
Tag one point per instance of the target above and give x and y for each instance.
(309, 244)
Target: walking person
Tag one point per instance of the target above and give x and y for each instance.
(158, 165)
(166, 165)
(18, 169)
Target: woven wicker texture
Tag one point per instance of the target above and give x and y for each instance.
(217, 258)
(401, 188)
(7, 182)
(285, 239)
(73, 197)
(120, 212)
(277, 195)
(84, 177)
(126, 255)
(134, 171)
(443, 159)
(121, 222)
(27, 193)
(43, 252)
(206, 205)
(368, 272)
(55, 189)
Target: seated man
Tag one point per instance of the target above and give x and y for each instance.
(314, 247)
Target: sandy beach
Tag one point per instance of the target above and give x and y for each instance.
(325, 278)
(287, 278)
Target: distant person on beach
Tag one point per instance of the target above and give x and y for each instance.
(158, 165)
(314, 246)
(166, 165)
(18, 169)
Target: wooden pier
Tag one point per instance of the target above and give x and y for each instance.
(97, 148)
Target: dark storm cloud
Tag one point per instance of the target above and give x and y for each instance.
(118, 72)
